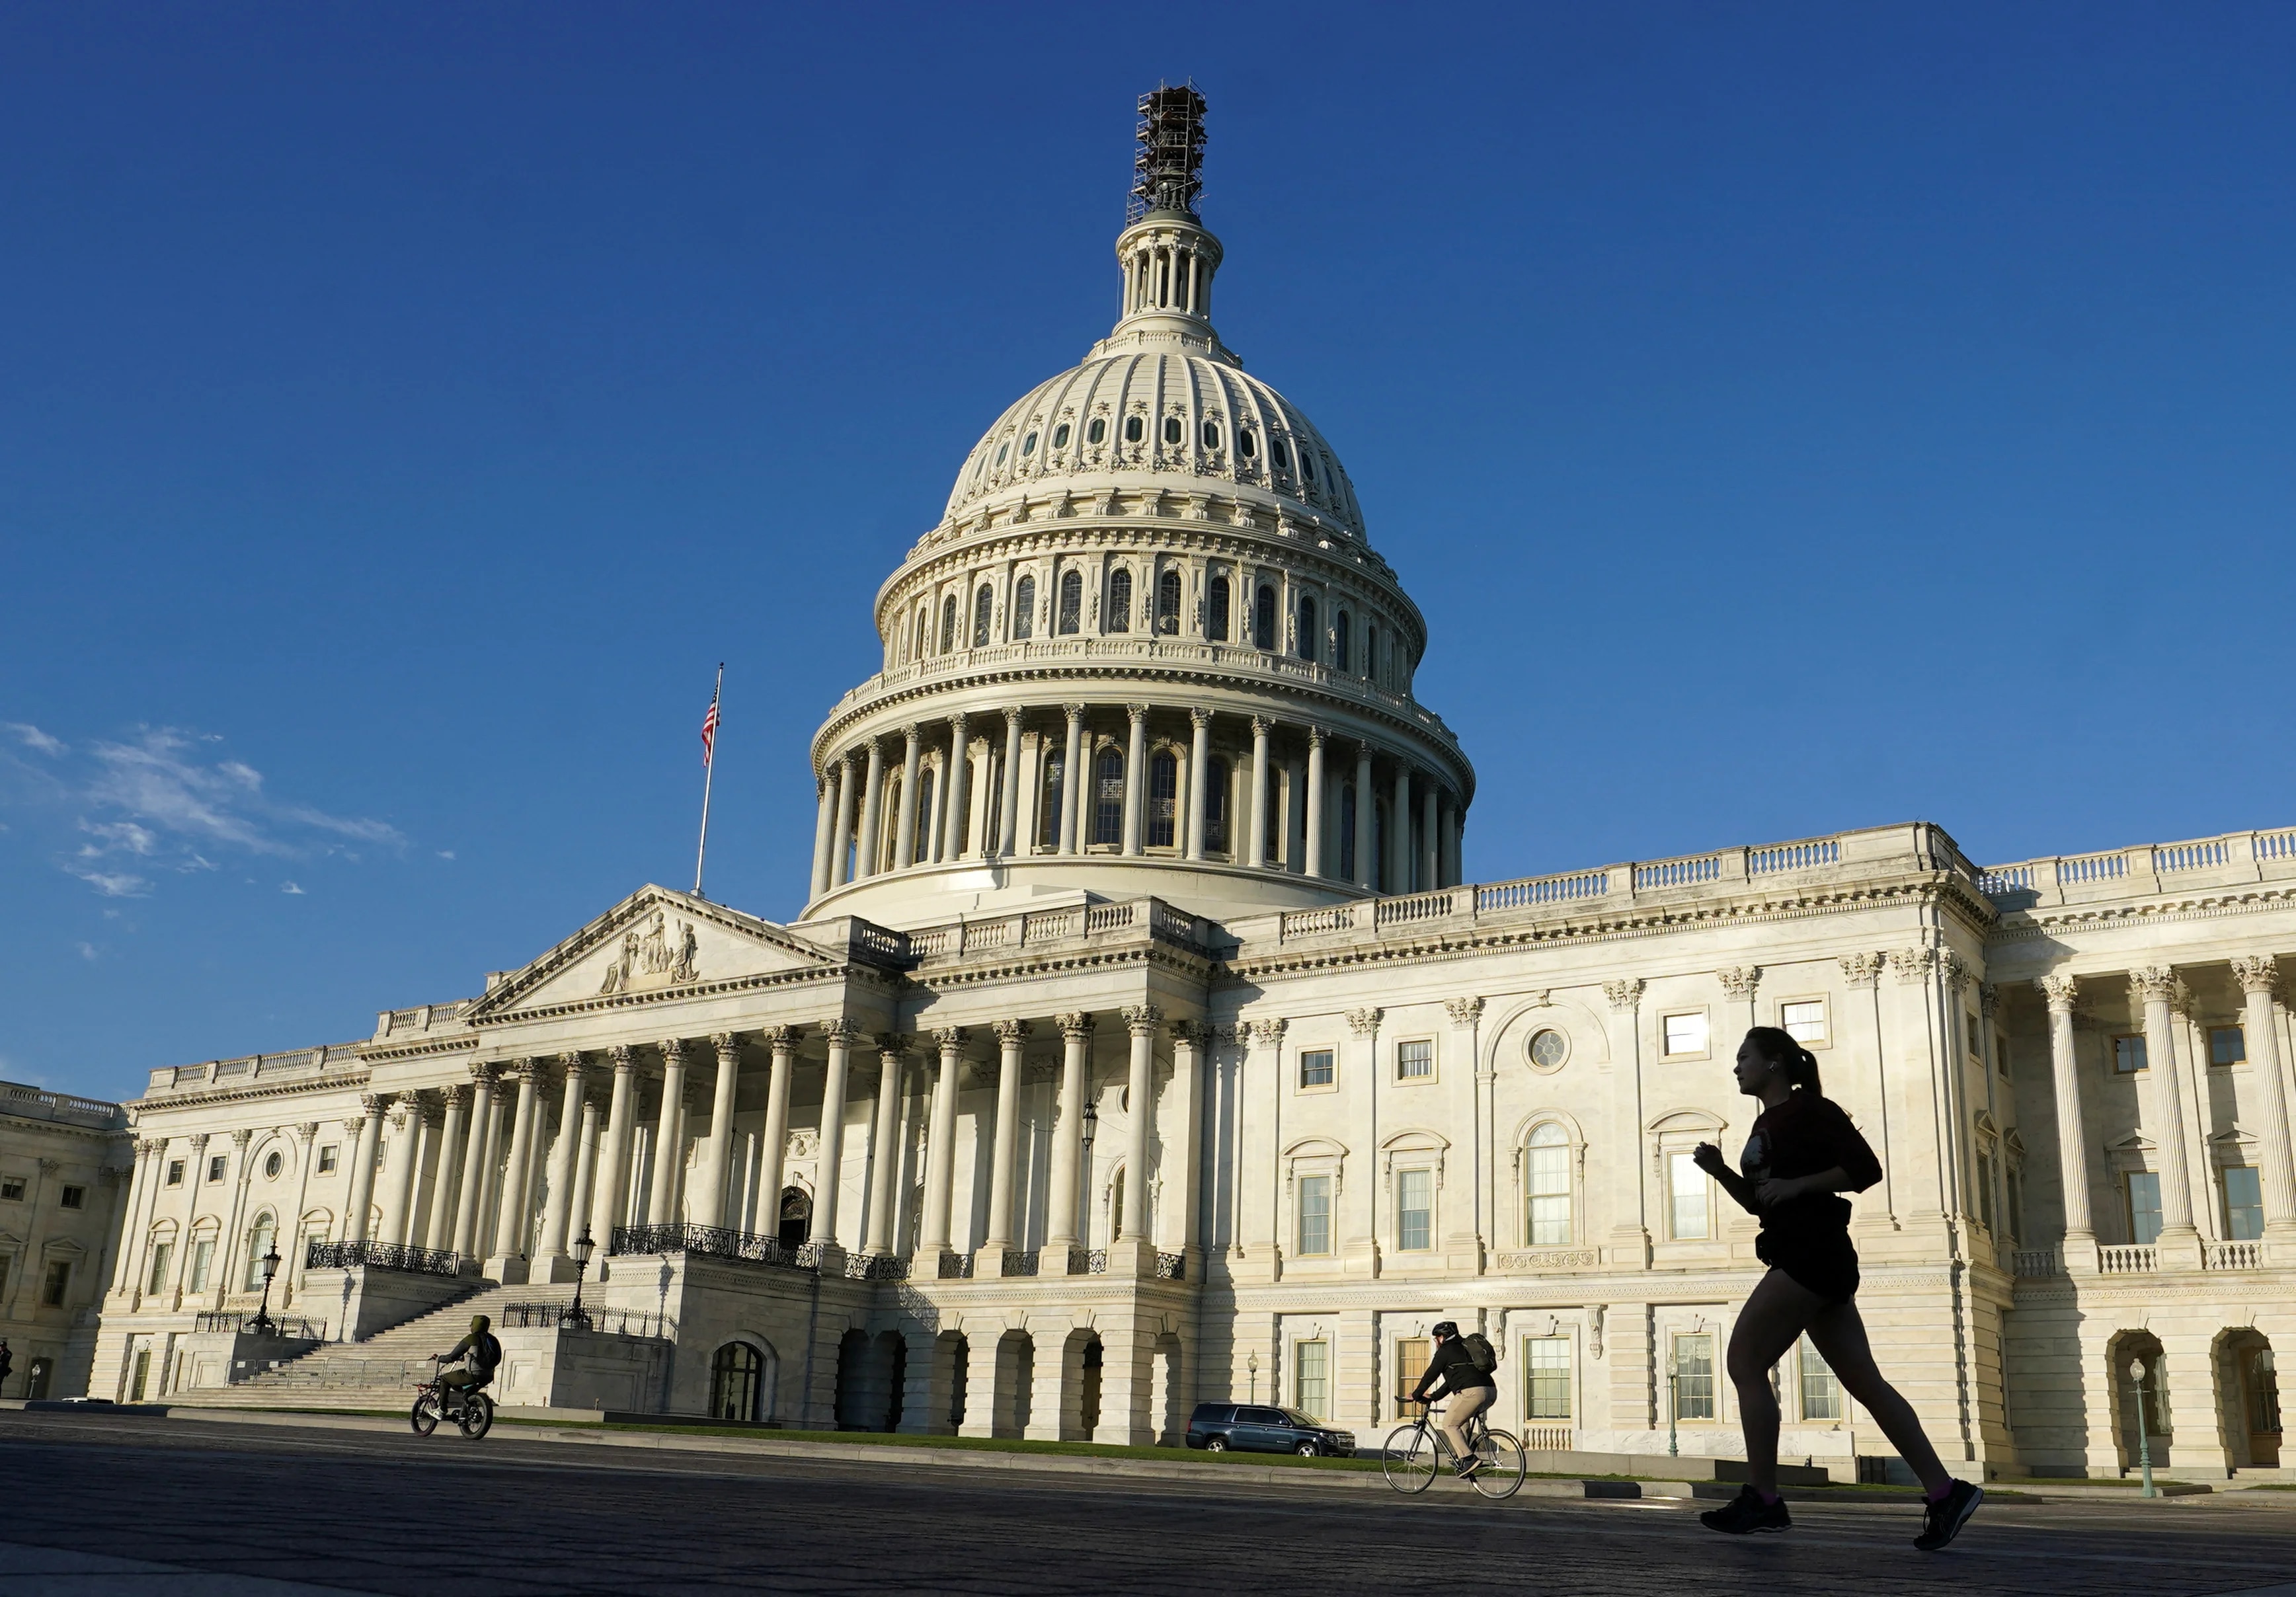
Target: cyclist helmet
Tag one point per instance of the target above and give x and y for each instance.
(1443, 1330)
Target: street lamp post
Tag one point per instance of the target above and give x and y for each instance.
(1251, 1363)
(1673, 1397)
(2144, 1443)
(581, 1248)
(261, 1326)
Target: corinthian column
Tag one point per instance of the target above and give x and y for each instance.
(885, 1152)
(1145, 1021)
(558, 1203)
(1256, 848)
(1199, 723)
(609, 1197)
(1009, 1036)
(709, 1205)
(1366, 869)
(827, 1173)
(823, 817)
(2073, 1133)
(772, 1143)
(904, 823)
(359, 1221)
(1398, 831)
(472, 1189)
(1067, 1139)
(401, 1157)
(2151, 991)
(446, 1184)
(1073, 779)
(2256, 978)
(1190, 1039)
(841, 829)
(955, 780)
(940, 1145)
(867, 851)
(669, 1152)
(1008, 808)
(1314, 816)
(1135, 775)
(510, 1225)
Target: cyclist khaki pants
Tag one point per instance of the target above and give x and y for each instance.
(1458, 1408)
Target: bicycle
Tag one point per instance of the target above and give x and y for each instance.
(471, 1409)
(1414, 1453)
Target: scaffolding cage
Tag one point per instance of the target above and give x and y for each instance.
(1167, 168)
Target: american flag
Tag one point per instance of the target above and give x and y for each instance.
(710, 729)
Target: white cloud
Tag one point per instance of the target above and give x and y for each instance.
(289, 887)
(33, 738)
(446, 854)
(86, 950)
(114, 884)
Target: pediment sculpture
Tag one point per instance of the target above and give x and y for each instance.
(653, 958)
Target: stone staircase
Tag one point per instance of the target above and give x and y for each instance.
(380, 1373)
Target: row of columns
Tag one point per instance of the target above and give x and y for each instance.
(967, 820)
(2156, 994)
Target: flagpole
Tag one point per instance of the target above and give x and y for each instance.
(709, 772)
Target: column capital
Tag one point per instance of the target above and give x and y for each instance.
(1955, 968)
(1269, 1033)
(673, 1051)
(1861, 970)
(454, 1094)
(1200, 717)
(2061, 992)
(1913, 965)
(1988, 999)
(1135, 713)
(353, 1127)
(1191, 1033)
(310, 1128)
(727, 1045)
(950, 1038)
(625, 1057)
(401, 1113)
(1074, 712)
(1012, 716)
(573, 1062)
(1316, 736)
(893, 1045)
(374, 1103)
(956, 719)
(1009, 1033)
(1738, 981)
(1143, 1020)
(2256, 973)
(840, 1032)
(2155, 983)
(1261, 725)
(1464, 1011)
(1625, 997)
(1075, 1027)
(780, 1039)
(49, 1166)
(241, 1137)
(913, 731)
(1364, 1022)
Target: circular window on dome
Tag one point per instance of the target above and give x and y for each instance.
(1548, 1050)
(1061, 435)
(1003, 450)
(1134, 430)
(1096, 430)
(1171, 429)
(1247, 444)
(1028, 445)
(1212, 435)
(273, 1165)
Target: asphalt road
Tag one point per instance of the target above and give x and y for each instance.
(92, 1505)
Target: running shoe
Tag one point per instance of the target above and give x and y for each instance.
(1942, 1519)
(1746, 1514)
(1467, 1471)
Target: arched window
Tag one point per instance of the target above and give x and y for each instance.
(984, 606)
(1348, 833)
(1167, 604)
(796, 1217)
(1024, 608)
(1371, 651)
(920, 635)
(1215, 622)
(924, 815)
(1548, 1178)
(1116, 1207)
(1163, 798)
(1216, 785)
(1071, 601)
(1108, 797)
(1119, 618)
(1308, 628)
(736, 1383)
(1048, 810)
(260, 1237)
(1340, 643)
(948, 623)
(1263, 620)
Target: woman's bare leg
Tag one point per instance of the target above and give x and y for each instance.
(1774, 1315)
(1840, 1335)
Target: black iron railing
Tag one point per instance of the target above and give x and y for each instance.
(380, 1255)
(876, 1266)
(1171, 1266)
(714, 1241)
(608, 1321)
(1023, 1263)
(1095, 1263)
(957, 1266)
(282, 1325)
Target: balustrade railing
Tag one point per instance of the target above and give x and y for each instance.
(2234, 1256)
(2130, 1260)
(605, 1321)
(1792, 857)
(1550, 1438)
(714, 1241)
(1678, 873)
(2033, 1261)
(2148, 867)
(293, 1327)
(380, 1255)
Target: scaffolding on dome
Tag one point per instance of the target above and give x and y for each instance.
(1167, 168)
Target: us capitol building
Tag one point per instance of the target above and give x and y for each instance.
(1141, 1040)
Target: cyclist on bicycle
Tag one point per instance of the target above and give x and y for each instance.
(485, 1355)
(1470, 1388)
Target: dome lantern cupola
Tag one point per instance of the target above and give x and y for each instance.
(1166, 255)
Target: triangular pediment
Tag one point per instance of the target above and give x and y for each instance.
(656, 941)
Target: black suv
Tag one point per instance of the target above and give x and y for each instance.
(1258, 1427)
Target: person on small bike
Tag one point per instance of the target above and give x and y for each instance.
(1454, 1374)
(484, 1355)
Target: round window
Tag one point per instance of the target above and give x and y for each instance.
(273, 1165)
(1097, 431)
(1548, 1048)
(1061, 435)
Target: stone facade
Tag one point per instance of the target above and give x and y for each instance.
(1142, 1041)
(61, 1164)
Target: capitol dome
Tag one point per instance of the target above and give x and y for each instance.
(1147, 649)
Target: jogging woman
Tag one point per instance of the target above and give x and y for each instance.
(1802, 1152)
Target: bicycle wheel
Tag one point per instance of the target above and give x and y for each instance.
(424, 1415)
(1409, 1458)
(1504, 1465)
(477, 1415)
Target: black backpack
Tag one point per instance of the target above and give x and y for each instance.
(1480, 1349)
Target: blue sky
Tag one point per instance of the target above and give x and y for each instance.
(1790, 417)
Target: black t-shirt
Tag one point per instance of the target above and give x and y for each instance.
(1802, 1136)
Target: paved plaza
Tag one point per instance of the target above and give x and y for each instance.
(94, 1504)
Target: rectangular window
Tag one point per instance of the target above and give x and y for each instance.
(2227, 1044)
(174, 1172)
(327, 1160)
(2244, 1189)
(1414, 1061)
(2128, 1055)
(2144, 1207)
(6, 1260)
(1547, 1363)
(1693, 1377)
(52, 1288)
(1411, 1356)
(1549, 1177)
(216, 1164)
(2001, 1054)
(1314, 1214)
(1316, 1068)
(1687, 1198)
(203, 1256)
(74, 1198)
(2014, 1216)
(1976, 1036)
(1985, 1189)
(1311, 1378)
(160, 1254)
(1804, 1020)
(1414, 1210)
(1685, 1034)
(1821, 1388)
(12, 1189)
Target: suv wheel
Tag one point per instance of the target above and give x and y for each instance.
(1308, 1450)
(1214, 1443)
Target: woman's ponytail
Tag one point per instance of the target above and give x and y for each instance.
(1783, 1050)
